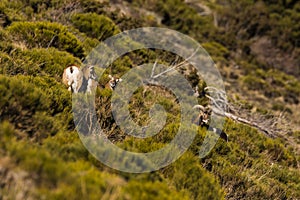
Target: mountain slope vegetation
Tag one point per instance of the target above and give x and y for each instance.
(255, 45)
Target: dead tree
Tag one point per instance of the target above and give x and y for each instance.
(270, 125)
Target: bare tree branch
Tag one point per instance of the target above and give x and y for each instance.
(268, 124)
(173, 65)
(153, 69)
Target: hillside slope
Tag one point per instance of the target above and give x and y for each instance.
(255, 45)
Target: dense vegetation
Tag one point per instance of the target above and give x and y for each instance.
(255, 45)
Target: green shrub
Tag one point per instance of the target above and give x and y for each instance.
(181, 17)
(217, 51)
(89, 44)
(254, 83)
(151, 190)
(93, 6)
(38, 6)
(7, 132)
(273, 83)
(67, 145)
(6, 44)
(50, 62)
(96, 26)
(12, 11)
(51, 175)
(45, 35)
(4, 19)
(29, 103)
(189, 175)
(278, 152)
(16, 94)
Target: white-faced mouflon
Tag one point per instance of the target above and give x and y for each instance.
(90, 81)
(203, 120)
(72, 78)
(80, 80)
(112, 83)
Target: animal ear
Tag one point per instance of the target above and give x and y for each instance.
(120, 80)
(109, 76)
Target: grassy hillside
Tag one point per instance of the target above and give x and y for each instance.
(255, 45)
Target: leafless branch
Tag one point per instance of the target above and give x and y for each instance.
(268, 124)
(153, 69)
(173, 65)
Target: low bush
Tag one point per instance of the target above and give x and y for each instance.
(151, 190)
(45, 35)
(37, 61)
(39, 106)
(95, 26)
(218, 52)
(189, 175)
